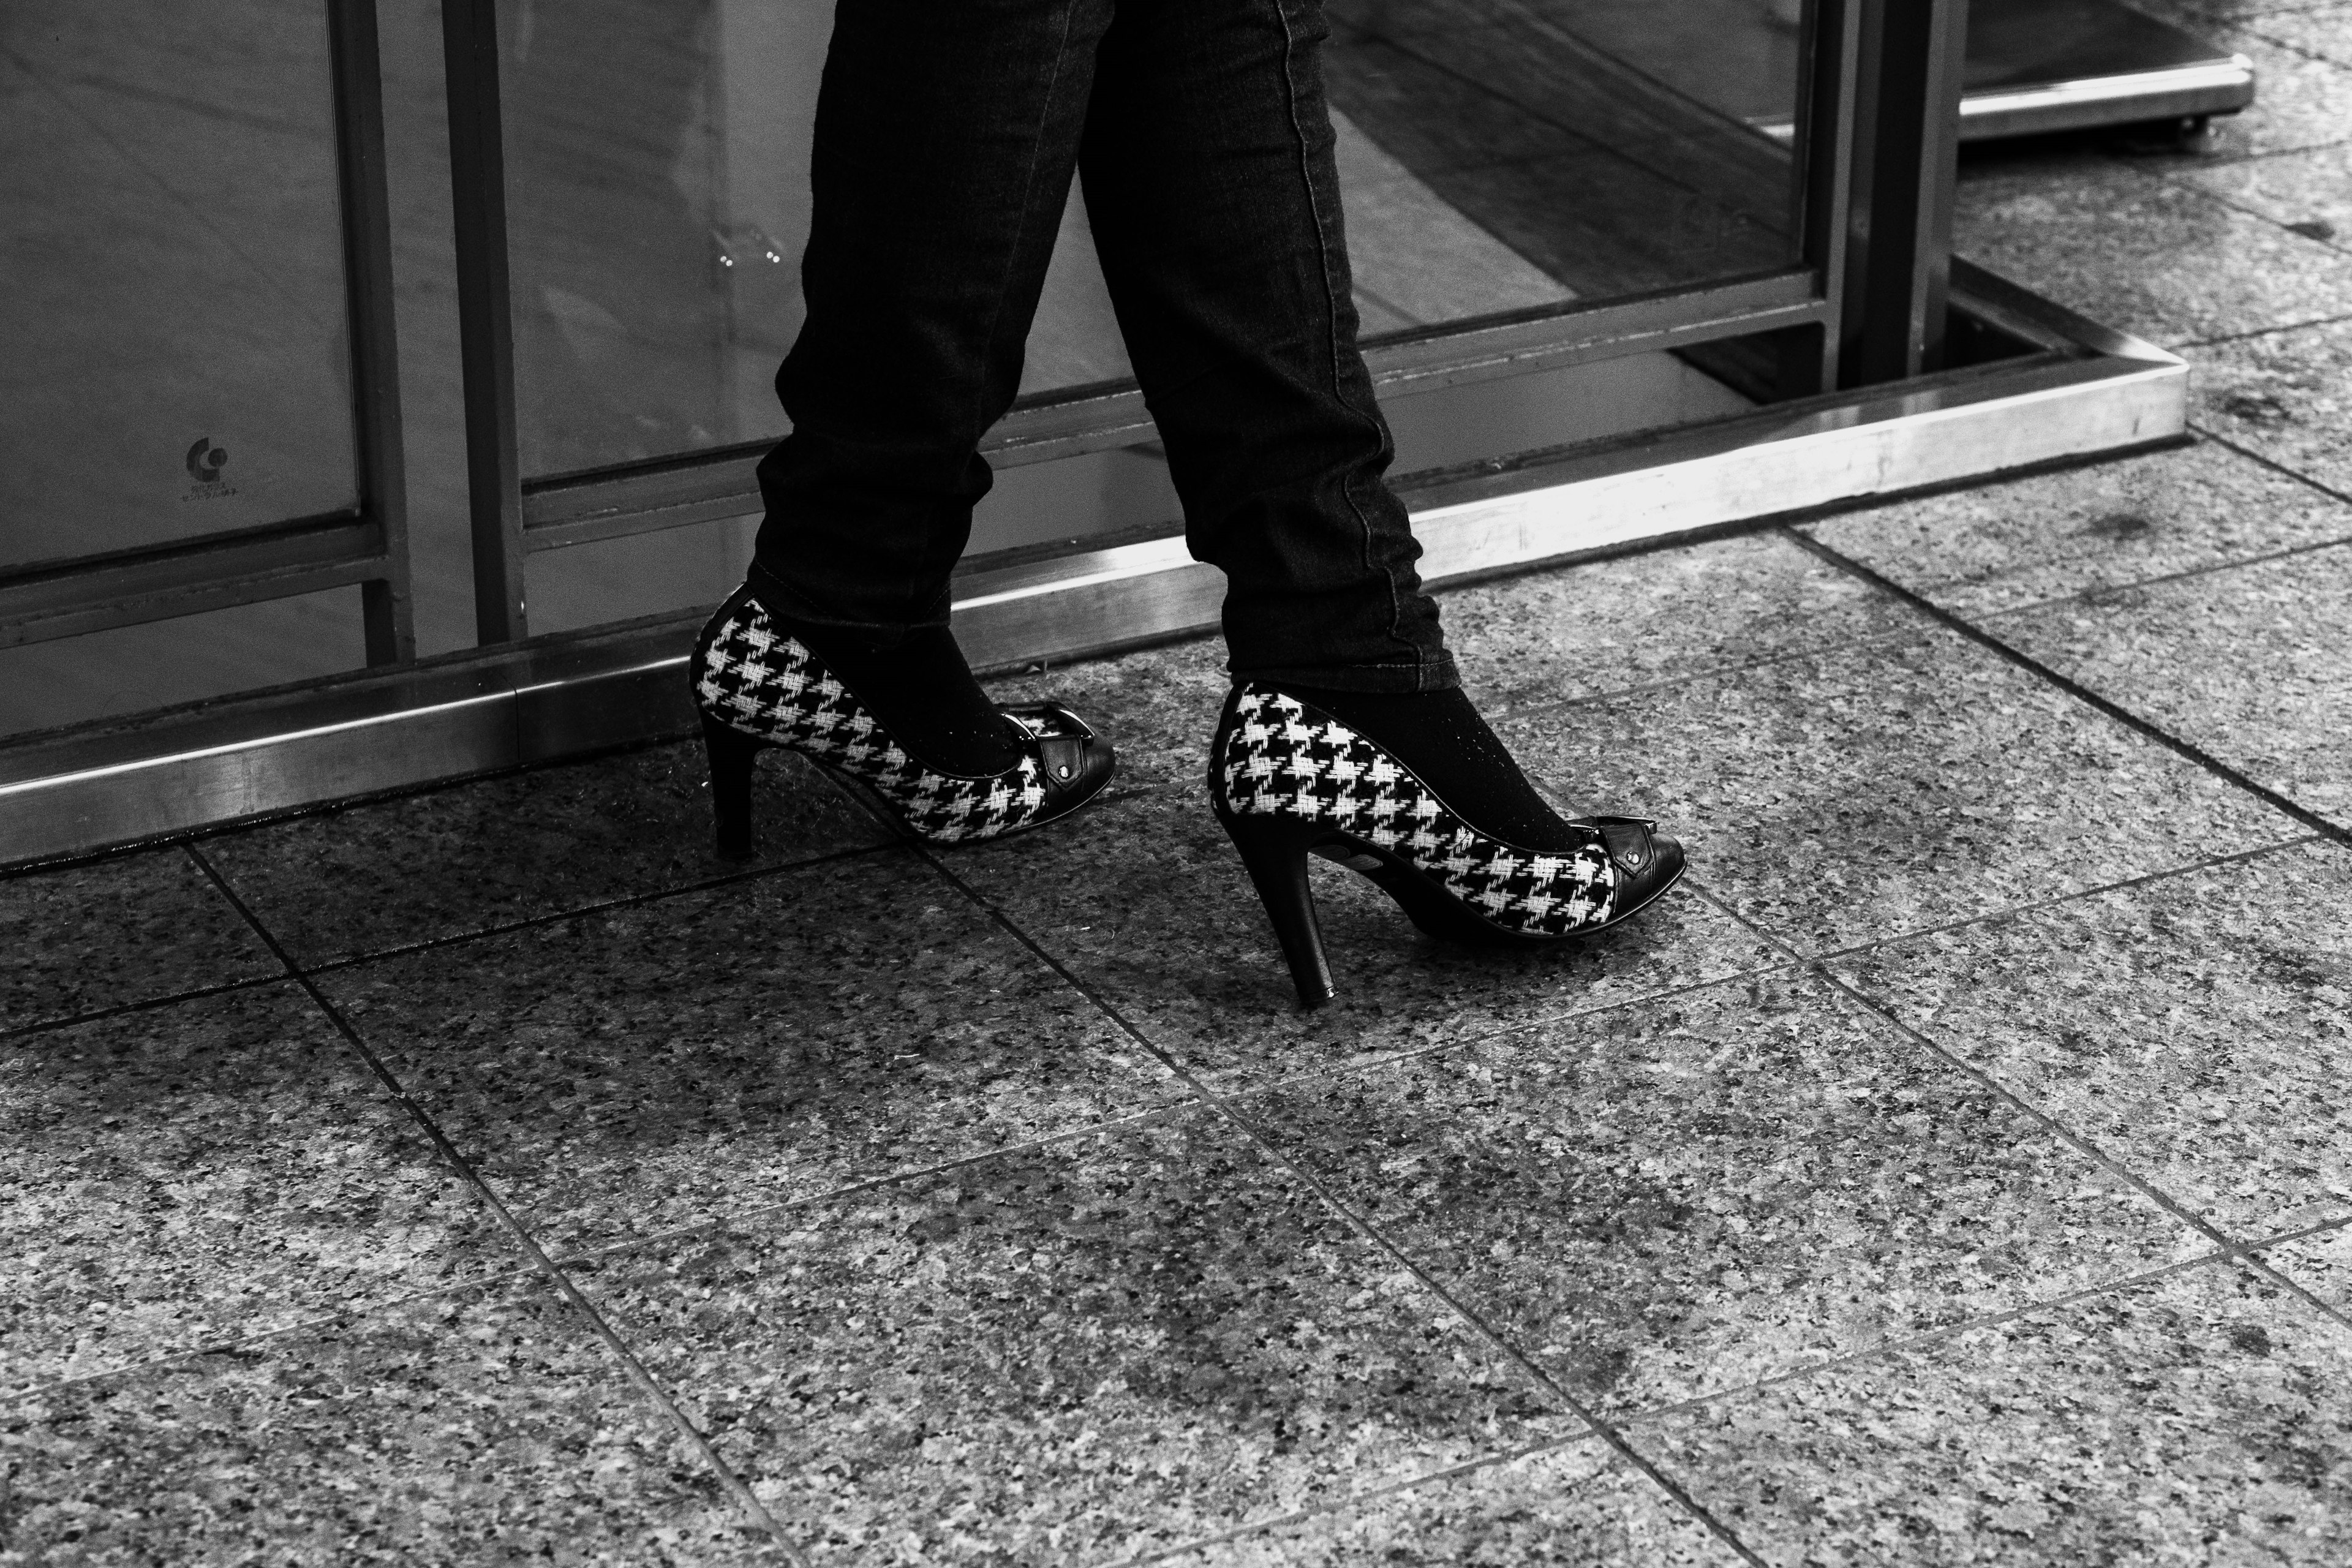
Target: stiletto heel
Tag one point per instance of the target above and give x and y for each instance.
(756, 685)
(731, 753)
(1274, 851)
(1287, 780)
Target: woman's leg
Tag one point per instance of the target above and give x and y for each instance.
(1214, 195)
(1211, 181)
(946, 139)
(947, 131)
(1215, 200)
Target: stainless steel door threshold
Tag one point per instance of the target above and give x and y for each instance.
(2082, 391)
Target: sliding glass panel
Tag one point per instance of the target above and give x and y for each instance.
(172, 355)
(657, 159)
(1496, 156)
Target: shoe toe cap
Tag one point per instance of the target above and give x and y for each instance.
(1662, 868)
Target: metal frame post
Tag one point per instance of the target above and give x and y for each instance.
(1897, 278)
(469, 38)
(1823, 153)
(384, 601)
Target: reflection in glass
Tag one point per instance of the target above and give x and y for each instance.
(653, 271)
(172, 339)
(1496, 155)
(158, 664)
(1509, 154)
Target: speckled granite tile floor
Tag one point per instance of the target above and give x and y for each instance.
(1953, 1171)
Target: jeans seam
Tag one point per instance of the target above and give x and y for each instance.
(1331, 308)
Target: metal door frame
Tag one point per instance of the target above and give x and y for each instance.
(1873, 154)
(1857, 333)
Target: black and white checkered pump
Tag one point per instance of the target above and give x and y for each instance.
(1288, 780)
(758, 686)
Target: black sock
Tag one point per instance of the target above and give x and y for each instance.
(1440, 736)
(922, 691)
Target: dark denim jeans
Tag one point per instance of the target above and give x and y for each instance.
(947, 135)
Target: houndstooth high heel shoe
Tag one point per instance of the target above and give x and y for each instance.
(757, 687)
(1287, 780)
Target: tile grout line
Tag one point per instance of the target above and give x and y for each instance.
(1795, 960)
(1370, 1494)
(602, 906)
(762, 1213)
(2178, 182)
(2082, 693)
(2082, 1144)
(2182, 347)
(1715, 672)
(1887, 1349)
(2299, 476)
(545, 1267)
(2238, 160)
(39, 865)
(2092, 595)
(434, 944)
(1895, 635)
(621, 1249)
(1654, 1415)
(2254, 25)
(1224, 1107)
(2220, 339)
(2236, 1250)
(2042, 905)
(144, 1005)
(133, 1369)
